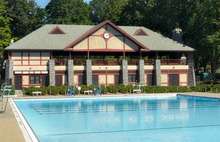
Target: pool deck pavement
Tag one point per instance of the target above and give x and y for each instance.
(10, 131)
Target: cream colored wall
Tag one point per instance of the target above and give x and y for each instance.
(25, 80)
(176, 67)
(82, 45)
(60, 68)
(116, 43)
(110, 79)
(183, 79)
(164, 80)
(30, 68)
(100, 31)
(75, 80)
(108, 68)
(96, 42)
(102, 79)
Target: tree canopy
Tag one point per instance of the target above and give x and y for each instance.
(68, 12)
(5, 32)
(26, 16)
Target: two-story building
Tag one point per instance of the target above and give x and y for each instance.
(100, 54)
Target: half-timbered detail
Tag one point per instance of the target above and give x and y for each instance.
(103, 54)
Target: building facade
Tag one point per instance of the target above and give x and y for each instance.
(102, 54)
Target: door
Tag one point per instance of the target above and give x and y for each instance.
(150, 80)
(59, 80)
(173, 79)
(18, 82)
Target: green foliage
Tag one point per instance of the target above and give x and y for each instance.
(68, 12)
(5, 32)
(50, 90)
(107, 10)
(26, 16)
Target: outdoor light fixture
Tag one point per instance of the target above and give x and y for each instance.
(106, 35)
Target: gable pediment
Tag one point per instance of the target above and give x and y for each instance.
(105, 37)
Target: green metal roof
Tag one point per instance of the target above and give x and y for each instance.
(42, 40)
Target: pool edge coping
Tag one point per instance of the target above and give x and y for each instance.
(26, 130)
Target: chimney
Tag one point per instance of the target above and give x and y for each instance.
(177, 35)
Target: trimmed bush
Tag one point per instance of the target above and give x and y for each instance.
(61, 90)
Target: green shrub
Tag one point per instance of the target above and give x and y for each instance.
(202, 88)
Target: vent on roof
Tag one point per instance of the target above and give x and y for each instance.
(56, 30)
(140, 32)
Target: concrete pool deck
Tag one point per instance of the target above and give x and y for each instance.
(10, 131)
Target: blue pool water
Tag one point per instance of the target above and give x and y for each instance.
(134, 119)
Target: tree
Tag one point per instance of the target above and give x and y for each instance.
(26, 16)
(107, 10)
(68, 12)
(5, 32)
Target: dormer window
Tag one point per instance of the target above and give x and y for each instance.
(56, 30)
(140, 32)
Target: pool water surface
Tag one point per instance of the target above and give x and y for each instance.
(129, 119)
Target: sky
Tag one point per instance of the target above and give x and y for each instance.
(43, 3)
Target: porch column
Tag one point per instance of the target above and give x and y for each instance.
(70, 72)
(52, 72)
(9, 71)
(157, 72)
(141, 71)
(191, 71)
(124, 71)
(88, 72)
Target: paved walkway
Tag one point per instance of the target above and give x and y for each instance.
(10, 131)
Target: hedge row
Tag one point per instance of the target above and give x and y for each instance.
(61, 90)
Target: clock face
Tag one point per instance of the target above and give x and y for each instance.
(106, 35)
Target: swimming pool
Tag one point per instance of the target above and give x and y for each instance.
(123, 119)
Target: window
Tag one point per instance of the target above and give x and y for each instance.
(35, 79)
(95, 79)
(173, 79)
(132, 78)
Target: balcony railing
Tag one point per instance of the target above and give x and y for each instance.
(149, 62)
(79, 62)
(105, 62)
(172, 62)
(60, 62)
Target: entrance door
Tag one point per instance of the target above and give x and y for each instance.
(59, 80)
(18, 82)
(173, 79)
